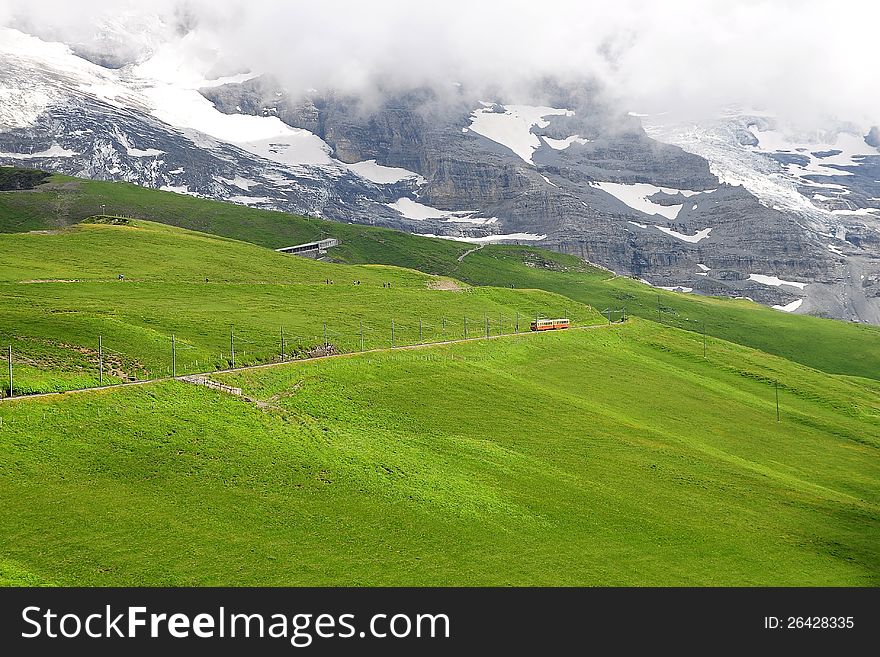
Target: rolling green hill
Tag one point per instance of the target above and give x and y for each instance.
(60, 290)
(828, 345)
(611, 456)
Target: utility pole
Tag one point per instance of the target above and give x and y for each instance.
(325, 334)
(704, 338)
(487, 326)
(173, 358)
(465, 331)
(282, 344)
(362, 335)
(500, 324)
(392, 334)
(516, 330)
(444, 327)
(659, 318)
(776, 386)
(100, 362)
(232, 345)
(10, 371)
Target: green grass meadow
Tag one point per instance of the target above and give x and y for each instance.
(832, 346)
(611, 456)
(627, 454)
(60, 292)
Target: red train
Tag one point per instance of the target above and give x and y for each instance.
(550, 324)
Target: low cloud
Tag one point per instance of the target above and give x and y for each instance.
(807, 60)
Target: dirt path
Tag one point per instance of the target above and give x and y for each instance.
(352, 354)
(467, 253)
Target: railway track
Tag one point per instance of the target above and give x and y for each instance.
(244, 368)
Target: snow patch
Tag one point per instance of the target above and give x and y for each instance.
(636, 196)
(383, 175)
(420, 212)
(513, 127)
(693, 239)
(676, 288)
(491, 239)
(790, 307)
(774, 281)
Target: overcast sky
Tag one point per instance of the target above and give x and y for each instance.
(804, 59)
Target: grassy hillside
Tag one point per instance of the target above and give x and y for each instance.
(828, 345)
(612, 454)
(60, 290)
(616, 455)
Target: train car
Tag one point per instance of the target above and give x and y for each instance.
(550, 324)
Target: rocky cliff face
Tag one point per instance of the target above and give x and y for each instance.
(565, 172)
(665, 217)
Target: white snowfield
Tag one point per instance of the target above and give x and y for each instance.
(851, 147)
(693, 239)
(420, 212)
(490, 239)
(675, 288)
(636, 195)
(774, 281)
(167, 86)
(790, 307)
(513, 127)
(776, 185)
(294, 148)
(703, 267)
(562, 144)
(381, 174)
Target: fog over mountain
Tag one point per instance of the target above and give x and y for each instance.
(805, 59)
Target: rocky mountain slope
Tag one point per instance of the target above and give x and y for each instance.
(727, 208)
